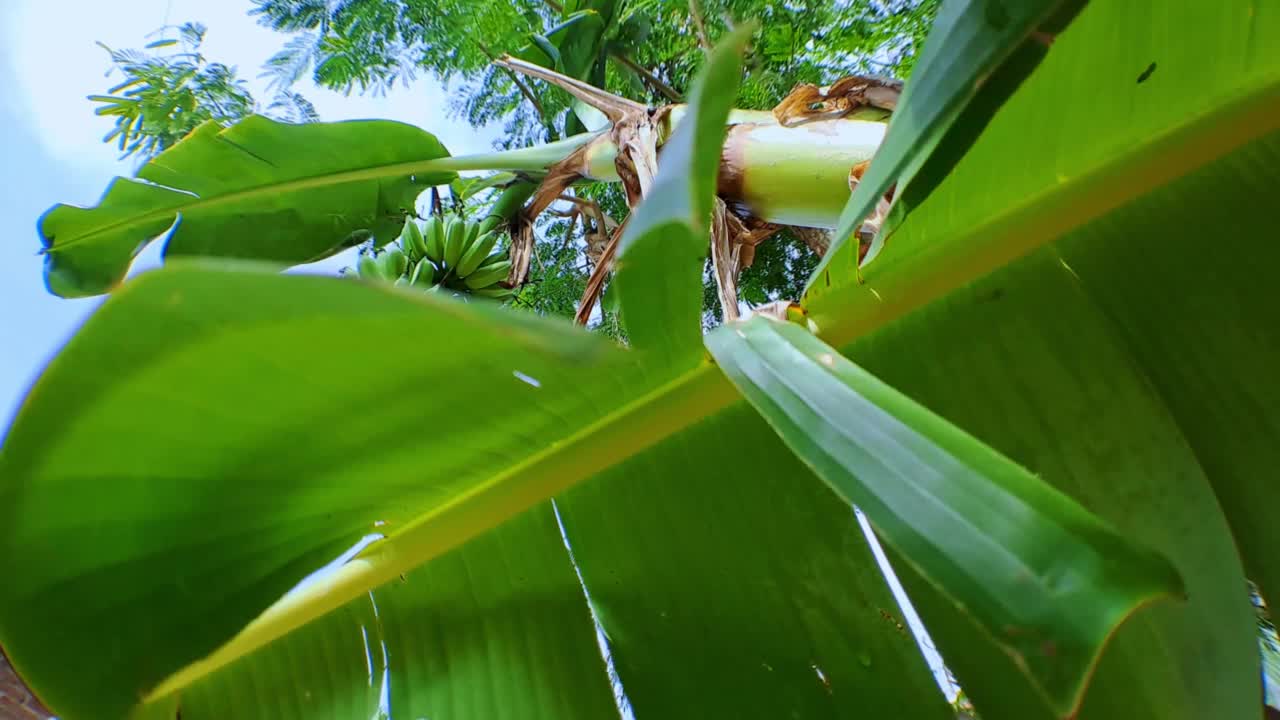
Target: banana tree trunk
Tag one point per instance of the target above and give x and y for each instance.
(795, 175)
(783, 175)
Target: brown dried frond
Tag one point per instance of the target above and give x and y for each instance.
(807, 102)
(558, 179)
(726, 257)
(595, 283)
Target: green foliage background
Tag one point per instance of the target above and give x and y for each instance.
(371, 45)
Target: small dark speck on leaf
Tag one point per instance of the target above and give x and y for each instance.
(1146, 73)
(992, 296)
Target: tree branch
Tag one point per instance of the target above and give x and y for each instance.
(524, 89)
(528, 95)
(653, 81)
(697, 23)
(613, 106)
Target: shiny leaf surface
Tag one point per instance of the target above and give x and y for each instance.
(1102, 139)
(977, 54)
(495, 630)
(359, 425)
(1028, 362)
(731, 583)
(1044, 578)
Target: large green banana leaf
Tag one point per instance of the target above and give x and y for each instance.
(950, 505)
(978, 56)
(311, 487)
(260, 189)
(1104, 119)
(1159, 312)
(1129, 139)
(1029, 363)
(156, 496)
(503, 618)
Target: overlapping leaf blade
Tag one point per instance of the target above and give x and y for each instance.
(731, 583)
(1080, 138)
(1027, 361)
(227, 449)
(259, 189)
(495, 629)
(1204, 330)
(977, 55)
(661, 253)
(1044, 578)
(343, 459)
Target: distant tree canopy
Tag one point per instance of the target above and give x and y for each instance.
(648, 50)
(170, 88)
(652, 47)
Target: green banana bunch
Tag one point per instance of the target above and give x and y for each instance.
(434, 236)
(367, 267)
(455, 237)
(453, 253)
(487, 276)
(412, 241)
(394, 263)
(476, 252)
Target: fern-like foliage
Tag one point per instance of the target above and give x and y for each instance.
(368, 45)
(169, 88)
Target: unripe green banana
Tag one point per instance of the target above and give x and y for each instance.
(368, 268)
(433, 233)
(493, 259)
(497, 292)
(470, 236)
(454, 238)
(394, 263)
(424, 273)
(476, 253)
(415, 246)
(488, 276)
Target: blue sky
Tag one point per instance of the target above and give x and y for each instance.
(52, 150)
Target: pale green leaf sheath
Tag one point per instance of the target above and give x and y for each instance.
(1027, 361)
(1044, 577)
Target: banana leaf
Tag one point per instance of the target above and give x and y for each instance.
(158, 497)
(260, 189)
